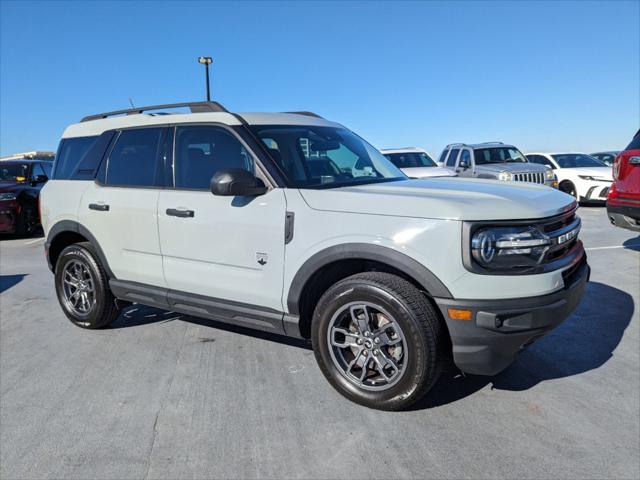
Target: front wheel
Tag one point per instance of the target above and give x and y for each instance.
(568, 187)
(83, 289)
(378, 340)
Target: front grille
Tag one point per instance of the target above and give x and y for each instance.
(532, 177)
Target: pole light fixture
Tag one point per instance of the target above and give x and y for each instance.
(206, 61)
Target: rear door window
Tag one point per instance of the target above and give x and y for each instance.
(134, 160)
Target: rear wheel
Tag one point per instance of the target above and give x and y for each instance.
(377, 340)
(83, 289)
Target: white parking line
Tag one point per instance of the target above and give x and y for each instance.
(614, 246)
(31, 242)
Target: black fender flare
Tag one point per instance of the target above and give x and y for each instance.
(363, 251)
(73, 226)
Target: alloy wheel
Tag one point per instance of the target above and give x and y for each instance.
(367, 346)
(78, 288)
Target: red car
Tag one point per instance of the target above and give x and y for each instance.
(623, 201)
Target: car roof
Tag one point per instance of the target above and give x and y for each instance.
(91, 126)
(480, 145)
(26, 160)
(403, 150)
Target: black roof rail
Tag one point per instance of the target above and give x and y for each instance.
(306, 114)
(489, 143)
(195, 107)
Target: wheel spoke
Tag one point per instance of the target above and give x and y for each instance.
(385, 335)
(350, 339)
(384, 363)
(360, 317)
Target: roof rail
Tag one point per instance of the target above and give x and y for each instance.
(454, 144)
(489, 143)
(306, 114)
(195, 107)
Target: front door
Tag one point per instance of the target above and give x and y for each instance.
(226, 248)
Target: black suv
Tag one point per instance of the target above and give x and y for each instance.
(21, 179)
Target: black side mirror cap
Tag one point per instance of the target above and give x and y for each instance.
(237, 182)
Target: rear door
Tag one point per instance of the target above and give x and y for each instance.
(120, 209)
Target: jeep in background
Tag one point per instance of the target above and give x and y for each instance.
(496, 161)
(416, 163)
(21, 178)
(623, 202)
(292, 224)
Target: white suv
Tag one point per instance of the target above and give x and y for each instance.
(292, 224)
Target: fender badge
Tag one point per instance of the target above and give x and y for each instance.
(262, 258)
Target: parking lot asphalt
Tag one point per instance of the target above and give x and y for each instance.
(163, 396)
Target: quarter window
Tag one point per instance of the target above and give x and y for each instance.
(203, 151)
(70, 155)
(134, 160)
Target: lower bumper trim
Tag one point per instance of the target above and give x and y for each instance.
(500, 329)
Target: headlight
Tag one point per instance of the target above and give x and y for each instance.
(7, 196)
(508, 248)
(505, 176)
(550, 174)
(587, 177)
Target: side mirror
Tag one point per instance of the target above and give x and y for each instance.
(237, 182)
(41, 179)
(464, 164)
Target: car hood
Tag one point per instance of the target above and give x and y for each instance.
(444, 198)
(598, 172)
(513, 167)
(425, 172)
(11, 186)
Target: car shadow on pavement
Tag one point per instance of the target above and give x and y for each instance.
(632, 244)
(583, 342)
(8, 281)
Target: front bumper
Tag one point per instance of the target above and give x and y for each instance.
(596, 192)
(624, 216)
(500, 329)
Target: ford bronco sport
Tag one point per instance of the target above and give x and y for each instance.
(292, 224)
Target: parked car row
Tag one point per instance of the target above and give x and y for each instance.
(21, 178)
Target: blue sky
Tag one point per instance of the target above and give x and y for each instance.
(542, 75)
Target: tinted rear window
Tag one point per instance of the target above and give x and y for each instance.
(134, 160)
(71, 153)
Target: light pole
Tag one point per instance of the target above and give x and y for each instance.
(206, 61)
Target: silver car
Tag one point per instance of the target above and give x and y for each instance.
(494, 160)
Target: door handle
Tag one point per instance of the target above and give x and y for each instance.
(177, 212)
(101, 207)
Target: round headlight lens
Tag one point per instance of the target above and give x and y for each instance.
(484, 247)
(505, 176)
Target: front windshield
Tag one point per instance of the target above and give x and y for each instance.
(13, 172)
(577, 160)
(484, 156)
(410, 159)
(325, 157)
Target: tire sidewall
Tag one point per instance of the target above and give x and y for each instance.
(81, 254)
(416, 348)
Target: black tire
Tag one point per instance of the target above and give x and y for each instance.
(103, 309)
(27, 221)
(569, 188)
(422, 330)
